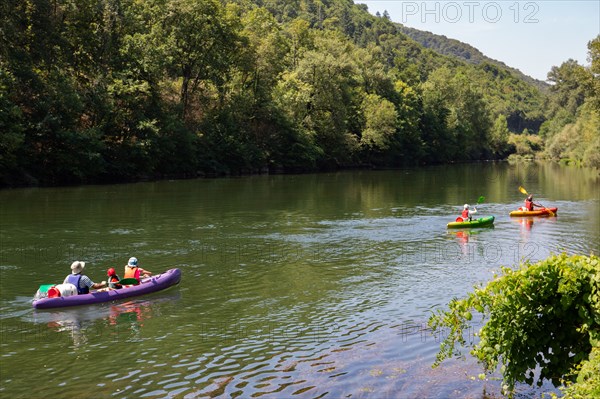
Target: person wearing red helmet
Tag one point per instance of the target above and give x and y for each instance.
(113, 279)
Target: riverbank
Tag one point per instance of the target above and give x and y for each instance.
(29, 182)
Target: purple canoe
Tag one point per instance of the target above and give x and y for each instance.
(148, 285)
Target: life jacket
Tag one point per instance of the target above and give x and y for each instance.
(529, 205)
(465, 214)
(74, 279)
(113, 282)
(132, 272)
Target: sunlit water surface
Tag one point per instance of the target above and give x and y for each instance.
(303, 286)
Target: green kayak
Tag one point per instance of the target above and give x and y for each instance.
(481, 222)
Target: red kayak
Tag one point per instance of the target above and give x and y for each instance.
(537, 212)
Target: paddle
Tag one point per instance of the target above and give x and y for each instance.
(128, 281)
(479, 201)
(523, 191)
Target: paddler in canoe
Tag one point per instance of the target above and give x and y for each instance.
(113, 279)
(132, 270)
(81, 281)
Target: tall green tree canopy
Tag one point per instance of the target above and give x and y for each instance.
(121, 89)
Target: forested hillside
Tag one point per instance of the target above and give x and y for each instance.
(119, 90)
(465, 51)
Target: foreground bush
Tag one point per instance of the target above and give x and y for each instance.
(587, 383)
(544, 315)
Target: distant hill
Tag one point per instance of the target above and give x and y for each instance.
(455, 48)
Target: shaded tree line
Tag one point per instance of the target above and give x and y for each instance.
(120, 90)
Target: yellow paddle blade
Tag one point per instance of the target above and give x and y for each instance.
(521, 189)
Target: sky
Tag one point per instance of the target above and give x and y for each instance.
(532, 36)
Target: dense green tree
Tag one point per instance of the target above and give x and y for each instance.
(200, 40)
(300, 39)
(457, 122)
(381, 121)
(569, 86)
(320, 93)
(499, 136)
(408, 145)
(553, 125)
(594, 58)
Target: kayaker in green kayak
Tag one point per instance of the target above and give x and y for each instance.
(467, 214)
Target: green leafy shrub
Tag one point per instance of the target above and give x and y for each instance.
(587, 384)
(526, 144)
(544, 315)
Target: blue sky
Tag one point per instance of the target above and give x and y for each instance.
(531, 36)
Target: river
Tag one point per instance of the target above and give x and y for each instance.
(296, 286)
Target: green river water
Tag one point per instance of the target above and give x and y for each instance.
(294, 286)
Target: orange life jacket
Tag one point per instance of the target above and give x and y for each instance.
(132, 272)
(529, 205)
(465, 214)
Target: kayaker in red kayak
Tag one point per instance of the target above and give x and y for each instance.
(81, 281)
(132, 270)
(467, 214)
(529, 204)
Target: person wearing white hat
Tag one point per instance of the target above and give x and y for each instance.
(132, 270)
(81, 281)
(467, 214)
